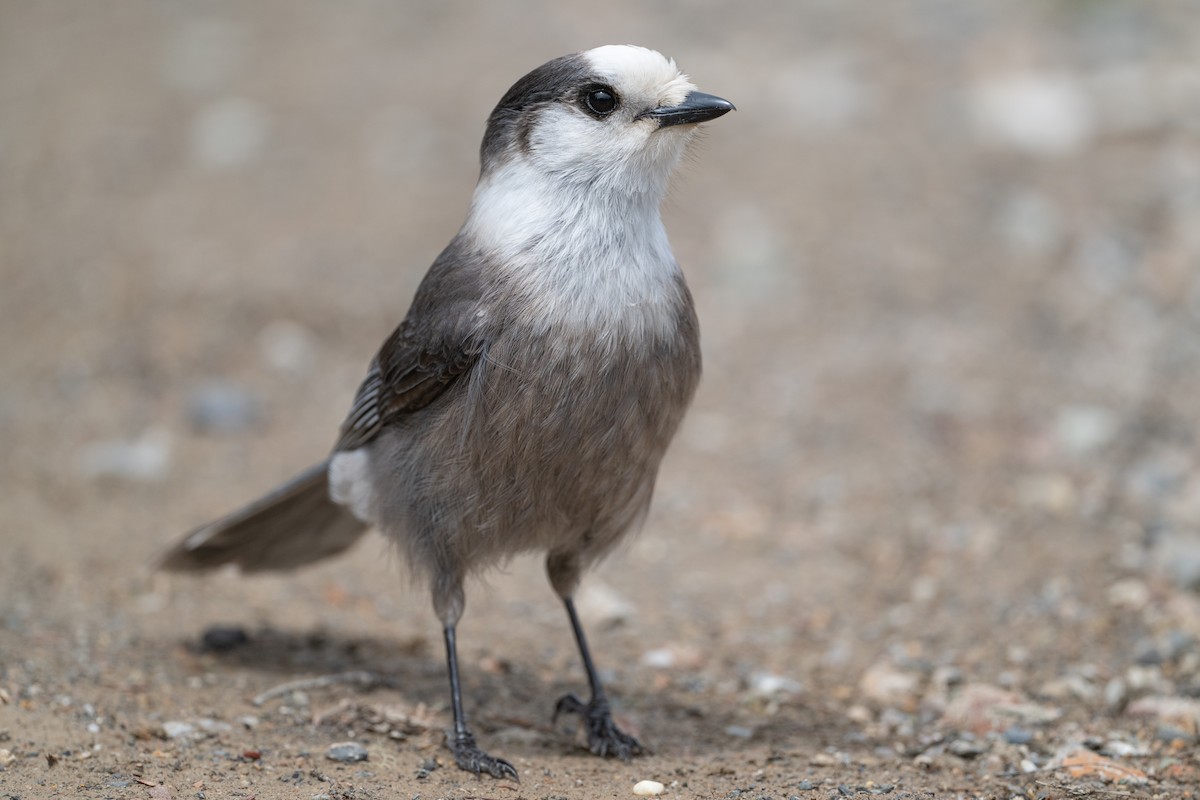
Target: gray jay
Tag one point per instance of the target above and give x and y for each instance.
(527, 398)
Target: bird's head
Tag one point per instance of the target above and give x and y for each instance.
(616, 118)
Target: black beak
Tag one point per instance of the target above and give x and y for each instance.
(696, 107)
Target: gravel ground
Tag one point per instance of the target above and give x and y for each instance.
(932, 528)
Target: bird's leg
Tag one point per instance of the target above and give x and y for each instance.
(604, 737)
(467, 754)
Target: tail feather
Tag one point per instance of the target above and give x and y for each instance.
(294, 525)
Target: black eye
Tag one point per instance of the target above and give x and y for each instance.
(599, 101)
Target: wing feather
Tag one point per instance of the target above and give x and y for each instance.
(439, 341)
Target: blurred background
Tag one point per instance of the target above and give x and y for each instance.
(947, 263)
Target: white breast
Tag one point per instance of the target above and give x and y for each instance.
(582, 260)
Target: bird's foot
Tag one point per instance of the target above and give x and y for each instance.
(604, 737)
(468, 756)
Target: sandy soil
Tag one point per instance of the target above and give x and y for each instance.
(931, 529)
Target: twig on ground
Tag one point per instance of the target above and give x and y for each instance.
(359, 678)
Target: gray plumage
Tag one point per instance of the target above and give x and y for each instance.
(528, 397)
(294, 525)
(543, 437)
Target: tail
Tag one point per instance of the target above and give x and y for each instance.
(294, 525)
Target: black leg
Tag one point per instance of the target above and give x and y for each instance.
(604, 737)
(466, 754)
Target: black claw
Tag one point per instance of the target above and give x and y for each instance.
(469, 757)
(604, 737)
(568, 704)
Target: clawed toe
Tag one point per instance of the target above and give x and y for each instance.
(468, 756)
(604, 737)
(569, 704)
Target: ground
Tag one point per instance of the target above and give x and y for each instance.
(930, 529)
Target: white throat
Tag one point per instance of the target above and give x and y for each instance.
(586, 258)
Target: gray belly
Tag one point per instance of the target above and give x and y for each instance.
(551, 443)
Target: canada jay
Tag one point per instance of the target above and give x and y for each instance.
(527, 398)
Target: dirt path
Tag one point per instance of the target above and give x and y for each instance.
(930, 530)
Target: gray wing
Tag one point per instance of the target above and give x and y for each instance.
(404, 377)
(440, 340)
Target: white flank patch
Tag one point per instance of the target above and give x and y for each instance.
(350, 483)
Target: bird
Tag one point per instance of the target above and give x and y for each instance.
(526, 400)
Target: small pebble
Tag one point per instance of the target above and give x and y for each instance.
(1116, 694)
(967, 748)
(229, 133)
(648, 788)
(1140, 680)
(980, 707)
(346, 752)
(223, 638)
(1168, 710)
(1015, 735)
(766, 684)
(221, 407)
(859, 714)
(1169, 733)
(1177, 553)
(1081, 430)
(739, 731)
(1129, 594)
(1148, 653)
(287, 347)
(174, 729)
(145, 458)
(214, 726)
(1043, 114)
(601, 605)
(886, 685)
(660, 658)
(1119, 749)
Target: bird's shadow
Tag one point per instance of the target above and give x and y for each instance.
(407, 665)
(504, 696)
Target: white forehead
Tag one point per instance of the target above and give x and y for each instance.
(640, 71)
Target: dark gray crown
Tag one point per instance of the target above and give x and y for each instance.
(555, 81)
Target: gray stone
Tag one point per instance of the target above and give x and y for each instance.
(174, 729)
(1039, 113)
(346, 752)
(221, 407)
(229, 133)
(145, 458)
